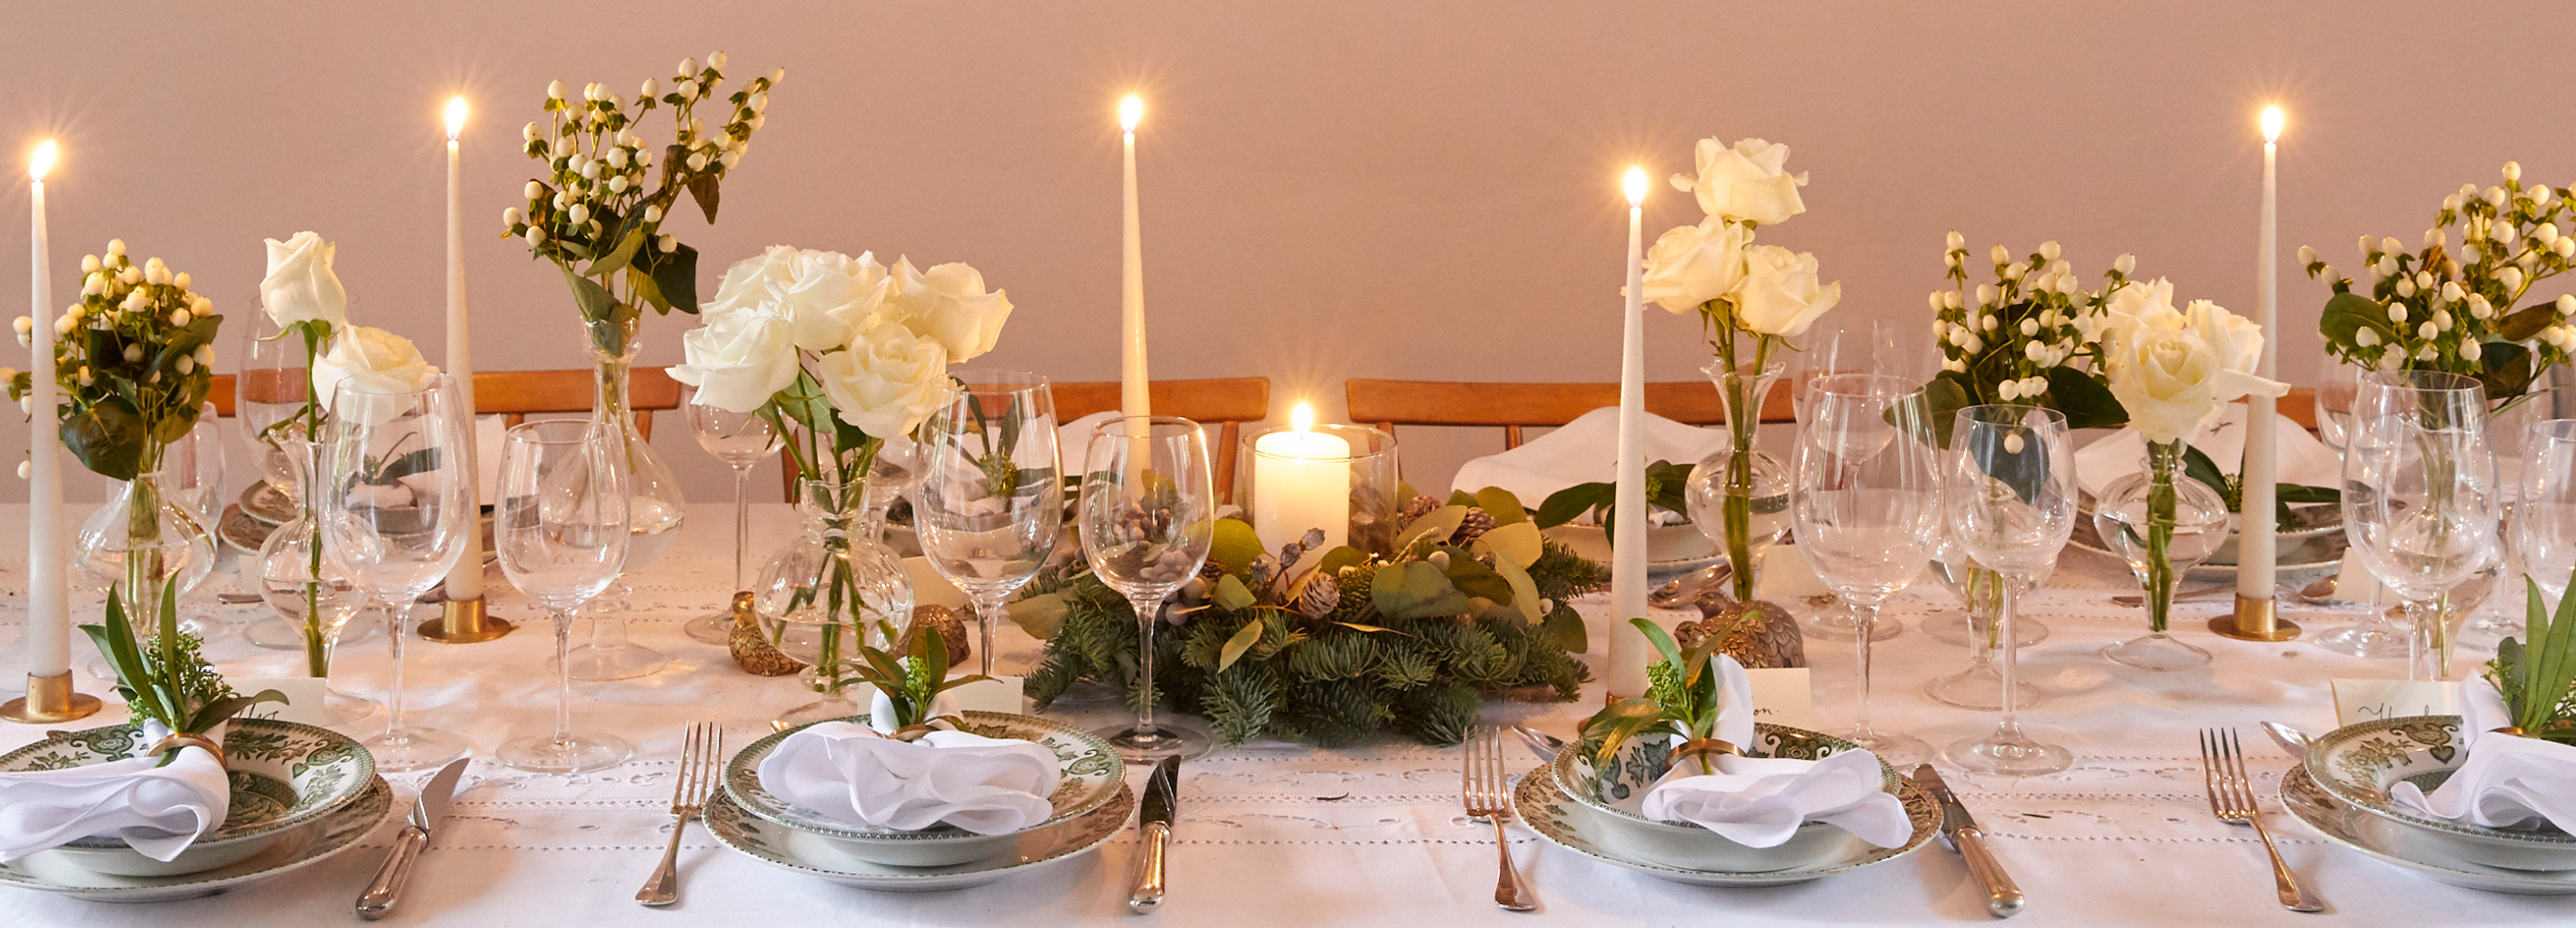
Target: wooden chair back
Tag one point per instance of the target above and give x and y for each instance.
(515, 395)
(1516, 406)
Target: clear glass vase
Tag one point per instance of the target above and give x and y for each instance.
(301, 584)
(833, 588)
(655, 507)
(1739, 496)
(140, 542)
(2161, 524)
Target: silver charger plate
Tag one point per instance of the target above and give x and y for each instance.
(303, 847)
(813, 855)
(1540, 803)
(2389, 842)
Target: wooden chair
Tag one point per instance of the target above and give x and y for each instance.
(1224, 402)
(515, 395)
(1515, 406)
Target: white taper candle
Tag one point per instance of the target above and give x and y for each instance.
(465, 581)
(2256, 545)
(49, 620)
(1133, 396)
(1628, 649)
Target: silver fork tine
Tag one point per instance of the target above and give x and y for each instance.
(680, 781)
(701, 746)
(2209, 776)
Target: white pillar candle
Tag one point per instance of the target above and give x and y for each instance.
(1301, 479)
(465, 581)
(1628, 648)
(1133, 398)
(2256, 548)
(49, 619)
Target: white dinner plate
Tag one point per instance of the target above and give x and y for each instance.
(2395, 844)
(1543, 806)
(814, 855)
(323, 839)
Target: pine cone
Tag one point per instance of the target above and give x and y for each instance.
(1321, 595)
(1477, 523)
(1210, 571)
(1416, 508)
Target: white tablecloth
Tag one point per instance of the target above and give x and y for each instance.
(1287, 835)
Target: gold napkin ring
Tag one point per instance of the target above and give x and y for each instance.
(183, 739)
(1699, 746)
(2514, 730)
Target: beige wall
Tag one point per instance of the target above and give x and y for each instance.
(1333, 189)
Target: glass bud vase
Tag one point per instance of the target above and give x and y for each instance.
(655, 511)
(1739, 496)
(832, 589)
(2161, 524)
(302, 585)
(140, 542)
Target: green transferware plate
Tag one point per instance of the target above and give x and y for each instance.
(1544, 807)
(2358, 763)
(1090, 770)
(284, 774)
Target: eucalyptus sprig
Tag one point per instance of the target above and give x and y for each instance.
(2537, 676)
(1682, 696)
(168, 682)
(912, 683)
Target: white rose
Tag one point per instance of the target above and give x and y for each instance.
(738, 359)
(823, 296)
(1691, 265)
(948, 303)
(369, 361)
(1780, 294)
(300, 286)
(887, 381)
(1748, 182)
(2170, 370)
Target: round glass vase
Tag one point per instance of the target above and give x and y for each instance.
(142, 541)
(1338, 478)
(1739, 496)
(2161, 524)
(297, 581)
(655, 508)
(835, 587)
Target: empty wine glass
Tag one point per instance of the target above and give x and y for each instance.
(2420, 500)
(2008, 493)
(397, 512)
(989, 503)
(1865, 504)
(741, 440)
(1871, 349)
(2377, 635)
(1148, 514)
(560, 529)
(2544, 522)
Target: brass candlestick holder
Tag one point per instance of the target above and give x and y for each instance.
(49, 700)
(2255, 620)
(464, 621)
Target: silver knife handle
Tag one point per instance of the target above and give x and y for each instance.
(2002, 897)
(378, 901)
(1149, 868)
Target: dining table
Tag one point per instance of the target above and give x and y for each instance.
(1277, 833)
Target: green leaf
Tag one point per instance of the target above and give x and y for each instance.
(1415, 590)
(1040, 615)
(1460, 498)
(1502, 505)
(1235, 546)
(2346, 315)
(2197, 465)
(2085, 399)
(1338, 558)
(2302, 493)
(1355, 626)
(596, 304)
(217, 711)
(1473, 578)
(421, 461)
(617, 258)
(1230, 594)
(108, 438)
(1617, 722)
(2526, 323)
(1662, 640)
(2505, 369)
(1524, 591)
(1518, 543)
(1571, 503)
(704, 190)
(1943, 396)
(1243, 640)
(2023, 471)
(1565, 627)
(1436, 525)
(675, 278)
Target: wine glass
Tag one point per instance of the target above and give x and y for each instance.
(2008, 493)
(269, 396)
(2420, 497)
(989, 503)
(560, 528)
(2375, 635)
(2544, 522)
(1148, 515)
(1865, 503)
(741, 440)
(398, 507)
(1869, 350)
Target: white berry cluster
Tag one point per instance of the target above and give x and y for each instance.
(2002, 338)
(2451, 306)
(139, 342)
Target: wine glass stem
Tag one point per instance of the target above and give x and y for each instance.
(1146, 610)
(741, 524)
(563, 676)
(1864, 614)
(988, 614)
(2006, 642)
(394, 645)
(2428, 643)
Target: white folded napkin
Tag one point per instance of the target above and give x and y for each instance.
(1760, 801)
(2507, 781)
(2300, 457)
(158, 810)
(856, 774)
(1585, 450)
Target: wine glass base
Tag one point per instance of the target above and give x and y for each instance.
(1951, 628)
(1145, 746)
(2371, 638)
(1835, 623)
(2007, 753)
(404, 749)
(1899, 751)
(2156, 652)
(573, 754)
(341, 709)
(820, 710)
(1978, 688)
(716, 629)
(618, 662)
(279, 633)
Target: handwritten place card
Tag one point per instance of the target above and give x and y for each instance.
(2358, 701)
(303, 698)
(1781, 696)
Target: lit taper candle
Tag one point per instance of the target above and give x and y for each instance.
(2257, 615)
(49, 622)
(461, 619)
(1628, 647)
(1133, 397)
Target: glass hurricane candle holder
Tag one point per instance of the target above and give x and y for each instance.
(1338, 478)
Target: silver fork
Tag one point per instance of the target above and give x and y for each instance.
(701, 753)
(2231, 797)
(1483, 793)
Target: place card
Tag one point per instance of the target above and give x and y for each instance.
(1781, 696)
(2358, 701)
(2356, 584)
(1000, 694)
(1785, 577)
(303, 698)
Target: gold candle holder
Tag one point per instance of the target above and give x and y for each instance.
(2255, 620)
(463, 621)
(49, 700)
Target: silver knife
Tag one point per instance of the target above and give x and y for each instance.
(1154, 833)
(2002, 897)
(378, 901)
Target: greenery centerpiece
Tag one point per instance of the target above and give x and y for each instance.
(1330, 647)
(166, 680)
(2537, 674)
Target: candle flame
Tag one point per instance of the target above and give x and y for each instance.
(42, 161)
(1302, 418)
(1130, 110)
(455, 117)
(2271, 124)
(1635, 183)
